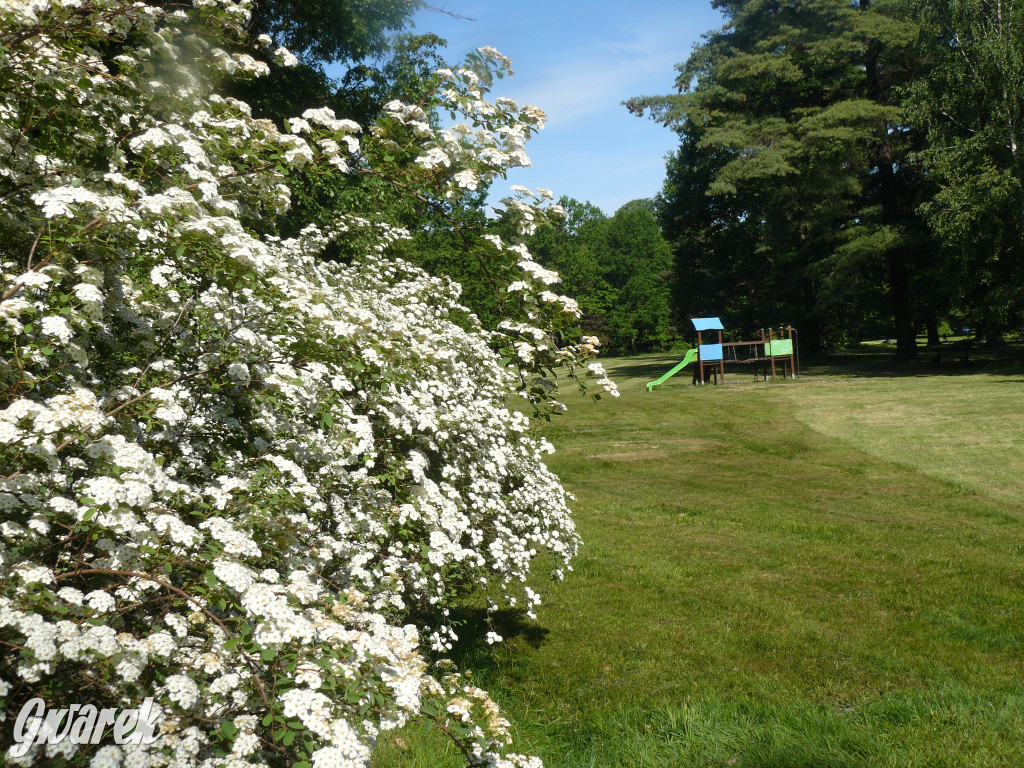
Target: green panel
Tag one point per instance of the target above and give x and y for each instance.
(779, 348)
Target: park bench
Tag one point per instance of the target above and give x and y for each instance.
(957, 350)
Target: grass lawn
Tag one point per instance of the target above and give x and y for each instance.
(820, 572)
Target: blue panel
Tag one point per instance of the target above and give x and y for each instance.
(710, 352)
(707, 324)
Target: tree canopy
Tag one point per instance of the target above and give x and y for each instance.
(320, 31)
(971, 105)
(617, 269)
(813, 185)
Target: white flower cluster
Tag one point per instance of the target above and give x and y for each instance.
(493, 138)
(230, 470)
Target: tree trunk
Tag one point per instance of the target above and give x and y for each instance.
(899, 292)
(932, 323)
(812, 337)
(888, 194)
(992, 333)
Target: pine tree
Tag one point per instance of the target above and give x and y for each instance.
(794, 147)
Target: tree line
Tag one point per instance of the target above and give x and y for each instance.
(850, 168)
(853, 168)
(618, 269)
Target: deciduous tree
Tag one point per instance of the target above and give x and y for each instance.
(971, 103)
(794, 152)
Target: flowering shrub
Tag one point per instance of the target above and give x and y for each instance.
(234, 476)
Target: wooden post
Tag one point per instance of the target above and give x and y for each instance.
(766, 363)
(771, 353)
(721, 362)
(700, 361)
(792, 353)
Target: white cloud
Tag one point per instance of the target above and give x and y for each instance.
(589, 80)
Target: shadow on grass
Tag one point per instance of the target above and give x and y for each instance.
(1002, 361)
(1006, 361)
(472, 625)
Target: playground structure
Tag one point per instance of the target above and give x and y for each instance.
(770, 352)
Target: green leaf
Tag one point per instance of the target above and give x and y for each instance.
(228, 729)
(269, 654)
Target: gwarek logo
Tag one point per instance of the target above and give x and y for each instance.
(83, 725)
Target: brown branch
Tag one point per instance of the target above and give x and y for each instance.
(182, 593)
(18, 286)
(446, 12)
(455, 740)
(91, 225)
(35, 245)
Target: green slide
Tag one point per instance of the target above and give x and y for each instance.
(690, 357)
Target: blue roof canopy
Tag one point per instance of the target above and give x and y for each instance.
(707, 324)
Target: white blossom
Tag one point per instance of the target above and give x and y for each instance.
(231, 466)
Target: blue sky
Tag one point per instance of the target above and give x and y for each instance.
(578, 61)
